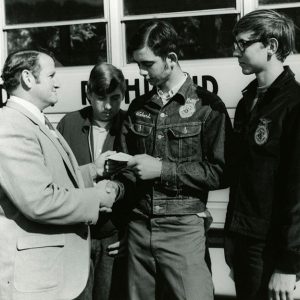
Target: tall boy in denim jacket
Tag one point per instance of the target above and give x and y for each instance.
(177, 135)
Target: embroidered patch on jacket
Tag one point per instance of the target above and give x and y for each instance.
(188, 109)
(143, 114)
(261, 134)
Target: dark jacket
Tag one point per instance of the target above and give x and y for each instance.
(75, 127)
(265, 193)
(189, 136)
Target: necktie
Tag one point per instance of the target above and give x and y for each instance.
(48, 124)
(257, 101)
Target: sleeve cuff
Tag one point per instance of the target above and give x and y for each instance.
(289, 262)
(93, 171)
(121, 190)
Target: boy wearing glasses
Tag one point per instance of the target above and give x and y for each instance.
(262, 243)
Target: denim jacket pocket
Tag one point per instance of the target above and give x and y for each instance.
(141, 129)
(142, 133)
(184, 142)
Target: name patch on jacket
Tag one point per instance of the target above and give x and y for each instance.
(143, 114)
(188, 109)
(261, 134)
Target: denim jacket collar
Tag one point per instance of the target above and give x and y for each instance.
(180, 96)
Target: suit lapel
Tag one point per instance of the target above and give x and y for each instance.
(71, 157)
(59, 142)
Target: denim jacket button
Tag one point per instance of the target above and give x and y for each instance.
(160, 136)
(162, 115)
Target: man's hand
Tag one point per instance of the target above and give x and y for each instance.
(145, 166)
(100, 161)
(281, 286)
(108, 193)
(118, 248)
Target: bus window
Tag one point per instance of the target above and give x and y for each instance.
(75, 31)
(190, 19)
(37, 11)
(72, 45)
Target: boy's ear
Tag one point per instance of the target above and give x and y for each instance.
(272, 46)
(88, 94)
(173, 57)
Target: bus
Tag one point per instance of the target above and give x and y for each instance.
(83, 32)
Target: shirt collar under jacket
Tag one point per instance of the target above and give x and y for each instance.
(112, 127)
(173, 91)
(279, 83)
(28, 106)
(182, 92)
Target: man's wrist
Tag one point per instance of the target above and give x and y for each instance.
(119, 189)
(93, 171)
(112, 187)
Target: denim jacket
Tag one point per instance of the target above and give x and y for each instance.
(188, 135)
(265, 193)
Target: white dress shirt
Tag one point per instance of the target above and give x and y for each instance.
(28, 106)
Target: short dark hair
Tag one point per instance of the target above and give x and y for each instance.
(266, 24)
(104, 79)
(19, 61)
(15, 64)
(159, 36)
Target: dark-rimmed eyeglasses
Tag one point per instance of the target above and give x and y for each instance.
(243, 45)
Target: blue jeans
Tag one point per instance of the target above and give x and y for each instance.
(167, 255)
(107, 280)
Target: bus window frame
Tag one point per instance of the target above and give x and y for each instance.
(5, 28)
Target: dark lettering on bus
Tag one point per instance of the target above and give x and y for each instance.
(135, 87)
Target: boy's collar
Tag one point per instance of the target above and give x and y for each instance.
(165, 96)
(277, 83)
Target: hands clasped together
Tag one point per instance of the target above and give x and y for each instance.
(108, 189)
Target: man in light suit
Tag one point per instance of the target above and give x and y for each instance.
(45, 208)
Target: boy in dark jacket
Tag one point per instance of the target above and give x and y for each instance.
(89, 132)
(263, 218)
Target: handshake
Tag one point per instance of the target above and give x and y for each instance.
(108, 164)
(109, 191)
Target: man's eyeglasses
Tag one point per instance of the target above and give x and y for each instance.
(243, 45)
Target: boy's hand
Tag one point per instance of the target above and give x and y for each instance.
(118, 248)
(145, 166)
(100, 162)
(281, 286)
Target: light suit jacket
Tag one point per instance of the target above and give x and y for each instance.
(44, 239)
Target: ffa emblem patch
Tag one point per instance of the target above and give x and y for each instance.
(188, 109)
(261, 134)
